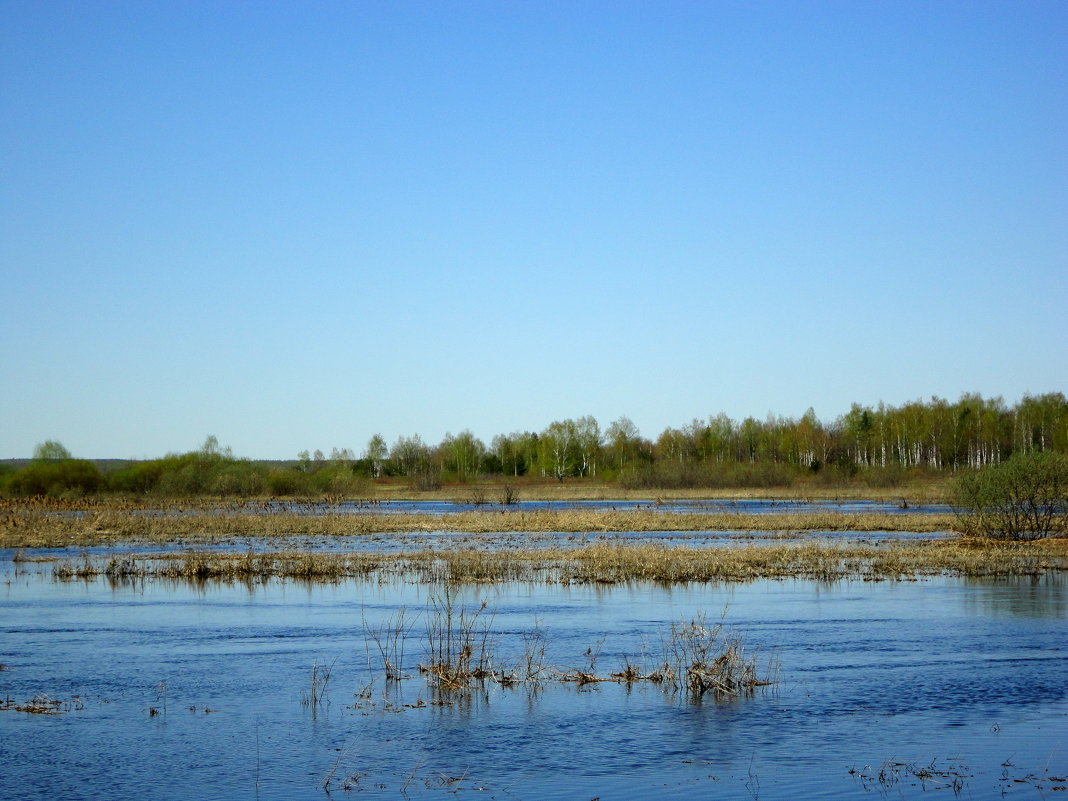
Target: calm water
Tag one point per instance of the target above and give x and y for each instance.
(965, 678)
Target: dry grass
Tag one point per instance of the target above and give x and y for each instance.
(389, 639)
(703, 657)
(459, 650)
(821, 561)
(37, 527)
(249, 566)
(613, 563)
(606, 563)
(697, 658)
(924, 490)
(42, 704)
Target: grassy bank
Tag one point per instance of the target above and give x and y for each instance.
(42, 526)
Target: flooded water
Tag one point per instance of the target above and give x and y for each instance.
(435, 541)
(887, 689)
(684, 506)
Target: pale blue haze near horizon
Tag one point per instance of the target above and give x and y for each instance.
(294, 225)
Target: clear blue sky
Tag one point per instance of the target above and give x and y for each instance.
(294, 225)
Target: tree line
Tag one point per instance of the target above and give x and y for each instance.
(933, 436)
(881, 444)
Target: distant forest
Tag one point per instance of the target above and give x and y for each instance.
(882, 445)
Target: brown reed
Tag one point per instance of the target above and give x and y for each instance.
(602, 562)
(46, 528)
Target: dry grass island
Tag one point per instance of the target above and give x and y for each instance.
(505, 541)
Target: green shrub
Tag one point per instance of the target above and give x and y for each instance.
(339, 480)
(66, 478)
(140, 478)
(291, 482)
(1023, 498)
(236, 478)
(188, 474)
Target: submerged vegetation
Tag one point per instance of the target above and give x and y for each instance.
(599, 563)
(696, 658)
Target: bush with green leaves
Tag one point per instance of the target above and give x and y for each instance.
(287, 481)
(191, 474)
(69, 478)
(53, 473)
(1023, 498)
(338, 480)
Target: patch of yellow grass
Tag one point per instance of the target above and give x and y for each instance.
(924, 490)
(43, 528)
(607, 563)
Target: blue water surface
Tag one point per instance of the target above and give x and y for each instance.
(879, 681)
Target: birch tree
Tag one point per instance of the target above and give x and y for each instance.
(409, 454)
(588, 442)
(462, 454)
(376, 454)
(622, 436)
(556, 448)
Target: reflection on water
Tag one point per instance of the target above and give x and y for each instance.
(921, 673)
(1021, 596)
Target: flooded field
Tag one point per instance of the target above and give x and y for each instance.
(277, 690)
(764, 506)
